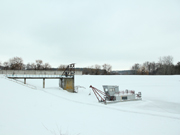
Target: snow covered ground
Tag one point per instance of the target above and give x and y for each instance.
(53, 111)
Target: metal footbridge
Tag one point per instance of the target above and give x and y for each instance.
(66, 80)
(37, 76)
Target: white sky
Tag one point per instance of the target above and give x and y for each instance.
(117, 32)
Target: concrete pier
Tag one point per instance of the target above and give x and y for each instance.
(24, 80)
(43, 82)
(67, 84)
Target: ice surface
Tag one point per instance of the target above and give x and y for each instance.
(51, 111)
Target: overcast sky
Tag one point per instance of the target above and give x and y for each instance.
(89, 32)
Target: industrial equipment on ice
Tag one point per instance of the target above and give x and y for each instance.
(112, 94)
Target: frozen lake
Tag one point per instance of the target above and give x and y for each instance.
(53, 111)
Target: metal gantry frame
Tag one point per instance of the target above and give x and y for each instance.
(70, 70)
(67, 83)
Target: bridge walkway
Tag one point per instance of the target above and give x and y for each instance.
(11, 76)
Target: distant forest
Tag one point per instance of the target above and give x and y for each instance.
(164, 66)
(16, 63)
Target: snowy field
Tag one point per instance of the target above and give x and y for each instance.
(53, 111)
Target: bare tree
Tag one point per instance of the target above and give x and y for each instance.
(142, 71)
(135, 67)
(97, 69)
(39, 64)
(0, 65)
(33, 66)
(6, 65)
(107, 68)
(177, 68)
(62, 67)
(16, 63)
(153, 68)
(28, 66)
(147, 66)
(178, 64)
(47, 66)
(166, 60)
(166, 65)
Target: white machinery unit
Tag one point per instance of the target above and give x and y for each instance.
(112, 94)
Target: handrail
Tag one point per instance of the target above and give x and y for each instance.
(30, 75)
(20, 82)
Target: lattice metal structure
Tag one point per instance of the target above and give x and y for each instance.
(70, 70)
(67, 83)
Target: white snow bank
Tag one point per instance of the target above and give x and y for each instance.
(51, 110)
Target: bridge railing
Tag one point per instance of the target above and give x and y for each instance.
(21, 82)
(46, 76)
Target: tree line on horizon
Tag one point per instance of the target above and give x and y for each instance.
(16, 63)
(164, 66)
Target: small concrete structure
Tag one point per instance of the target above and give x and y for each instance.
(67, 84)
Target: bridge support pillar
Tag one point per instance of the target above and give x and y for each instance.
(43, 82)
(67, 84)
(24, 80)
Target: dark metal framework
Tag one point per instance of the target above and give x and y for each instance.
(70, 70)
